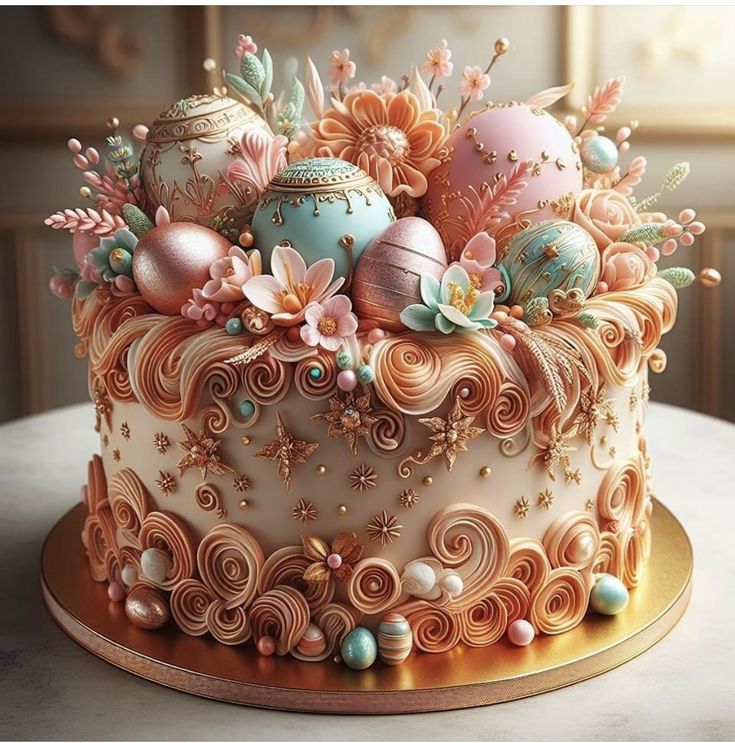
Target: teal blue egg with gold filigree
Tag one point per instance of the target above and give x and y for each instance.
(555, 254)
(323, 208)
(599, 154)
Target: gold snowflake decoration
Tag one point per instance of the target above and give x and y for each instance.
(409, 498)
(385, 528)
(304, 511)
(166, 482)
(556, 455)
(545, 499)
(451, 435)
(125, 430)
(589, 504)
(286, 451)
(161, 443)
(116, 455)
(363, 478)
(593, 408)
(201, 453)
(349, 417)
(241, 483)
(521, 507)
(102, 405)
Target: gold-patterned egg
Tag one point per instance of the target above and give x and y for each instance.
(147, 608)
(188, 151)
(388, 274)
(313, 643)
(394, 639)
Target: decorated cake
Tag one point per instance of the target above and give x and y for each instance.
(370, 377)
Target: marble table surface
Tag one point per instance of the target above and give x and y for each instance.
(682, 688)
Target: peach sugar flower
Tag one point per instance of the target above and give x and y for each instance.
(328, 322)
(606, 214)
(437, 61)
(343, 69)
(230, 274)
(625, 266)
(389, 136)
(478, 259)
(474, 81)
(286, 294)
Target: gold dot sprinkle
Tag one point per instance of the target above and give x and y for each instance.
(113, 123)
(85, 192)
(485, 472)
(427, 481)
(321, 469)
(245, 440)
(244, 505)
(209, 65)
(342, 509)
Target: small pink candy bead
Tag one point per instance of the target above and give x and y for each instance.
(687, 239)
(601, 287)
(266, 645)
(696, 228)
(140, 132)
(521, 632)
(115, 591)
(669, 247)
(653, 253)
(347, 380)
(687, 215)
(507, 342)
(74, 145)
(60, 287)
(623, 147)
(375, 335)
(334, 561)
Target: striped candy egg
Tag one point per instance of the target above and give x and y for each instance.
(388, 274)
(394, 639)
(313, 642)
(551, 255)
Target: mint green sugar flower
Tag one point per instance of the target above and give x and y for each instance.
(114, 255)
(455, 303)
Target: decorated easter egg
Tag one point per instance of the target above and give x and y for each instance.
(147, 608)
(323, 208)
(171, 260)
(609, 595)
(188, 151)
(394, 639)
(551, 255)
(490, 145)
(388, 274)
(359, 649)
(313, 642)
(599, 154)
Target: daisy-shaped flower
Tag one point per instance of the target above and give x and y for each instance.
(438, 62)
(288, 292)
(337, 560)
(478, 259)
(389, 136)
(474, 83)
(329, 322)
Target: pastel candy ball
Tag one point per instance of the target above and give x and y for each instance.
(344, 360)
(154, 564)
(365, 374)
(395, 639)
(347, 380)
(247, 409)
(315, 372)
(599, 154)
(129, 575)
(146, 608)
(234, 326)
(418, 578)
(359, 649)
(266, 645)
(609, 595)
(521, 632)
(323, 208)
(115, 591)
(452, 583)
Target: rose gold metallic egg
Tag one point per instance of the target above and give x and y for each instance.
(147, 608)
(171, 260)
(388, 274)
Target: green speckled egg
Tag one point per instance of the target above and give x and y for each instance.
(359, 649)
(551, 255)
(323, 208)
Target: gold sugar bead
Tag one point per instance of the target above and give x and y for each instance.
(342, 509)
(428, 480)
(113, 123)
(244, 505)
(485, 472)
(85, 192)
(209, 65)
(709, 277)
(321, 469)
(501, 46)
(245, 440)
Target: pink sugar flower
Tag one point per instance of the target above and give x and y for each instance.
(343, 69)
(286, 294)
(329, 322)
(230, 274)
(474, 82)
(244, 45)
(385, 85)
(437, 62)
(478, 259)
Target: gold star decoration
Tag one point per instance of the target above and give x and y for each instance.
(350, 417)
(116, 455)
(589, 504)
(545, 499)
(520, 508)
(556, 455)
(451, 435)
(593, 407)
(363, 478)
(166, 482)
(304, 511)
(201, 453)
(385, 528)
(612, 451)
(409, 498)
(105, 439)
(125, 430)
(286, 451)
(102, 405)
(161, 443)
(241, 483)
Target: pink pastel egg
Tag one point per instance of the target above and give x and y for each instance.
(490, 144)
(521, 632)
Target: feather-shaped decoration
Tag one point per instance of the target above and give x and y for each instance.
(550, 96)
(256, 349)
(604, 101)
(314, 89)
(420, 89)
(262, 156)
(632, 178)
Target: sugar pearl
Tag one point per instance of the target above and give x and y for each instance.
(507, 342)
(234, 326)
(365, 374)
(652, 253)
(452, 584)
(347, 380)
(115, 591)
(516, 311)
(293, 333)
(247, 409)
(376, 335)
(154, 564)
(521, 632)
(334, 561)
(266, 645)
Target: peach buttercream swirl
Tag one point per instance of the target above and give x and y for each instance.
(622, 495)
(336, 621)
(484, 622)
(229, 559)
(528, 562)
(470, 540)
(561, 603)
(434, 629)
(281, 613)
(129, 502)
(170, 534)
(316, 376)
(96, 483)
(387, 435)
(286, 567)
(190, 601)
(98, 538)
(228, 624)
(572, 540)
(608, 557)
(207, 497)
(375, 585)
(633, 549)
(267, 379)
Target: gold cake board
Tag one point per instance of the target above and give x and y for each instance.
(464, 677)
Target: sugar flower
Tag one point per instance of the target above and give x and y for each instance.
(625, 266)
(474, 81)
(111, 262)
(343, 69)
(606, 214)
(385, 85)
(230, 274)
(337, 559)
(286, 294)
(437, 62)
(389, 136)
(244, 45)
(329, 322)
(449, 305)
(478, 259)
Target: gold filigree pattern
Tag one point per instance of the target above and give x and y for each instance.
(408, 498)
(521, 508)
(201, 454)
(166, 482)
(161, 443)
(102, 405)
(545, 499)
(125, 430)
(286, 451)
(241, 483)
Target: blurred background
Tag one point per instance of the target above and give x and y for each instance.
(67, 69)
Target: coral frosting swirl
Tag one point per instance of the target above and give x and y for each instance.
(435, 630)
(622, 495)
(286, 567)
(229, 560)
(190, 601)
(129, 501)
(528, 563)
(561, 603)
(168, 533)
(336, 621)
(375, 585)
(228, 625)
(572, 540)
(281, 613)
